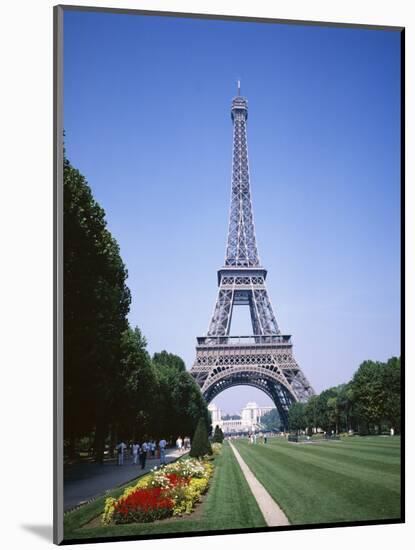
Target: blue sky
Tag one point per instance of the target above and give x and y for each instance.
(147, 121)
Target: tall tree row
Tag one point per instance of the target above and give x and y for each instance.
(112, 387)
(271, 420)
(96, 303)
(369, 403)
(180, 402)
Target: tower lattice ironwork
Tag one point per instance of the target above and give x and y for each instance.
(265, 359)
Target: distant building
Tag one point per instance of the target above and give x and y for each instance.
(251, 413)
(250, 420)
(216, 415)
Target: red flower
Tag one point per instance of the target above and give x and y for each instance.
(175, 479)
(145, 500)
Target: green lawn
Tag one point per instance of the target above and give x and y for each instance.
(354, 479)
(229, 504)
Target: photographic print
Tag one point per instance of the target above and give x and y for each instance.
(228, 231)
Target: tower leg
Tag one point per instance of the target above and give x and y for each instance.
(221, 318)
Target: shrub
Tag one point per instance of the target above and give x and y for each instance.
(200, 443)
(218, 436)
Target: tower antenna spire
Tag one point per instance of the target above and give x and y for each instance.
(239, 87)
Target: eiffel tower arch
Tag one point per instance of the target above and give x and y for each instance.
(265, 359)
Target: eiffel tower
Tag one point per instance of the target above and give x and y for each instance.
(265, 359)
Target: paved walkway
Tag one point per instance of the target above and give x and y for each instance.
(85, 481)
(272, 513)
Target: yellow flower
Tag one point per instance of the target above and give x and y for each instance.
(108, 510)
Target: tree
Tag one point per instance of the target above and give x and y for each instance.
(312, 412)
(391, 379)
(271, 420)
(218, 435)
(109, 379)
(350, 406)
(200, 441)
(96, 303)
(370, 393)
(169, 360)
(181, 403)
(370, 401)
(333, 411)
(134, 388)
(297, 419)
(326, 409)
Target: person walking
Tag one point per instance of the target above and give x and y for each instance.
(121, 450)
(135, 450)
(265, 438)
(162, 447)
(143, 455)
(179, 443)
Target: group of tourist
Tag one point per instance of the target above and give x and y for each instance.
(253, 438)
(183, 444)
(141, 452)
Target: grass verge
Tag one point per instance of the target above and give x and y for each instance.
(356, 479)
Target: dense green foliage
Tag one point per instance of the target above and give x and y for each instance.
(112, 388)
(218, 435)
(354, 479)
(200, 441)
(369, 403)
(96, 302)
(180, 403)
(296, 417)
(271, 420)
(376, 395)
(137, 388)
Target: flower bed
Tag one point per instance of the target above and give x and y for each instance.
(171, 490)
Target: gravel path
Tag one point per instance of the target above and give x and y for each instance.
(272, 513)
